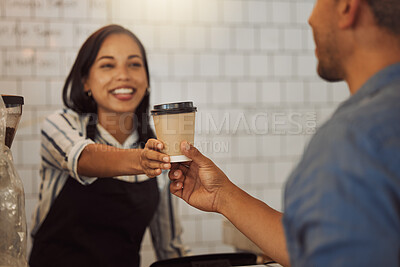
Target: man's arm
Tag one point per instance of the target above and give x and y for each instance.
(259, 222)
(204, 186)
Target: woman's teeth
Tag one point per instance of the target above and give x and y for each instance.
(122, 91)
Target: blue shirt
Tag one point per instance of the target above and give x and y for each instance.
(342, 202)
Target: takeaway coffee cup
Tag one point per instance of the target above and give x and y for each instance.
(174, 123)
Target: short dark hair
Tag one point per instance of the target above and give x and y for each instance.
(387, 14)
(76, 99)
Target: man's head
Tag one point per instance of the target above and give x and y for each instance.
(340, 26)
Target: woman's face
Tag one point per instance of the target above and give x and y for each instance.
(117, 78)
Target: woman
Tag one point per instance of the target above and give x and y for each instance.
(96, 197)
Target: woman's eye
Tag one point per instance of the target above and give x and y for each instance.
(136, 64)
(105, 66)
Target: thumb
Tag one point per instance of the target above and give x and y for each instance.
(191, 152)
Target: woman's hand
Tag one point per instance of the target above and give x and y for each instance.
(200, 182)
(151, 160)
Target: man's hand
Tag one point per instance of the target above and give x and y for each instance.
(152, 160)
(199, 182)
(204, 186)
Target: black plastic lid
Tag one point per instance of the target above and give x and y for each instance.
(11, 100)
(173, 108)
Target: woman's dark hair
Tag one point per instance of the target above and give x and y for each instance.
(76, 99)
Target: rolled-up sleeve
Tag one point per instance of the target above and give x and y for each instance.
(63, 140)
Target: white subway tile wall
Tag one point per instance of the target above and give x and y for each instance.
(248, 65)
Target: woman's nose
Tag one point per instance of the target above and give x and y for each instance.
(122, 73)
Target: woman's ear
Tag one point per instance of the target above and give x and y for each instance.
(86, 87)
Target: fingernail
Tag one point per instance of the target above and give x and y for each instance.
(176, 173)
(159, 146)
(166, 166)
(187, 147)
(166, 159)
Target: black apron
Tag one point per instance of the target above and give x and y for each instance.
(101, 224)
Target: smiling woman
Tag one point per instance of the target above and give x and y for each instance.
(117, 81)
(98, 158)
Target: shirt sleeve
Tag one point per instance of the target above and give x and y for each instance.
(165, 227)
(63, 140)
(341, 203)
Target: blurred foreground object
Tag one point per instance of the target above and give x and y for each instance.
(13, 235)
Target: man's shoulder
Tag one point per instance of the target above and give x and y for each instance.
(373, 120)
(361, 138)
(348, 151)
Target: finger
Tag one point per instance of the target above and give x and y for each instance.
(176, 188)
(191, 152)
(154, 144)
(177, 172)
(175, 166)
(153, 173)
(156, 156)
(179, 166)
(152, 164)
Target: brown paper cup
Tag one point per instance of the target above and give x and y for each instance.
(174, 123)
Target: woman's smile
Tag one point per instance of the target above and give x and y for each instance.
(123, 94)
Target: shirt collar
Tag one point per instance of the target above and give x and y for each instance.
(374, 84)
(132, 138)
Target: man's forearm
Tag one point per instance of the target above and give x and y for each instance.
(259, 222)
